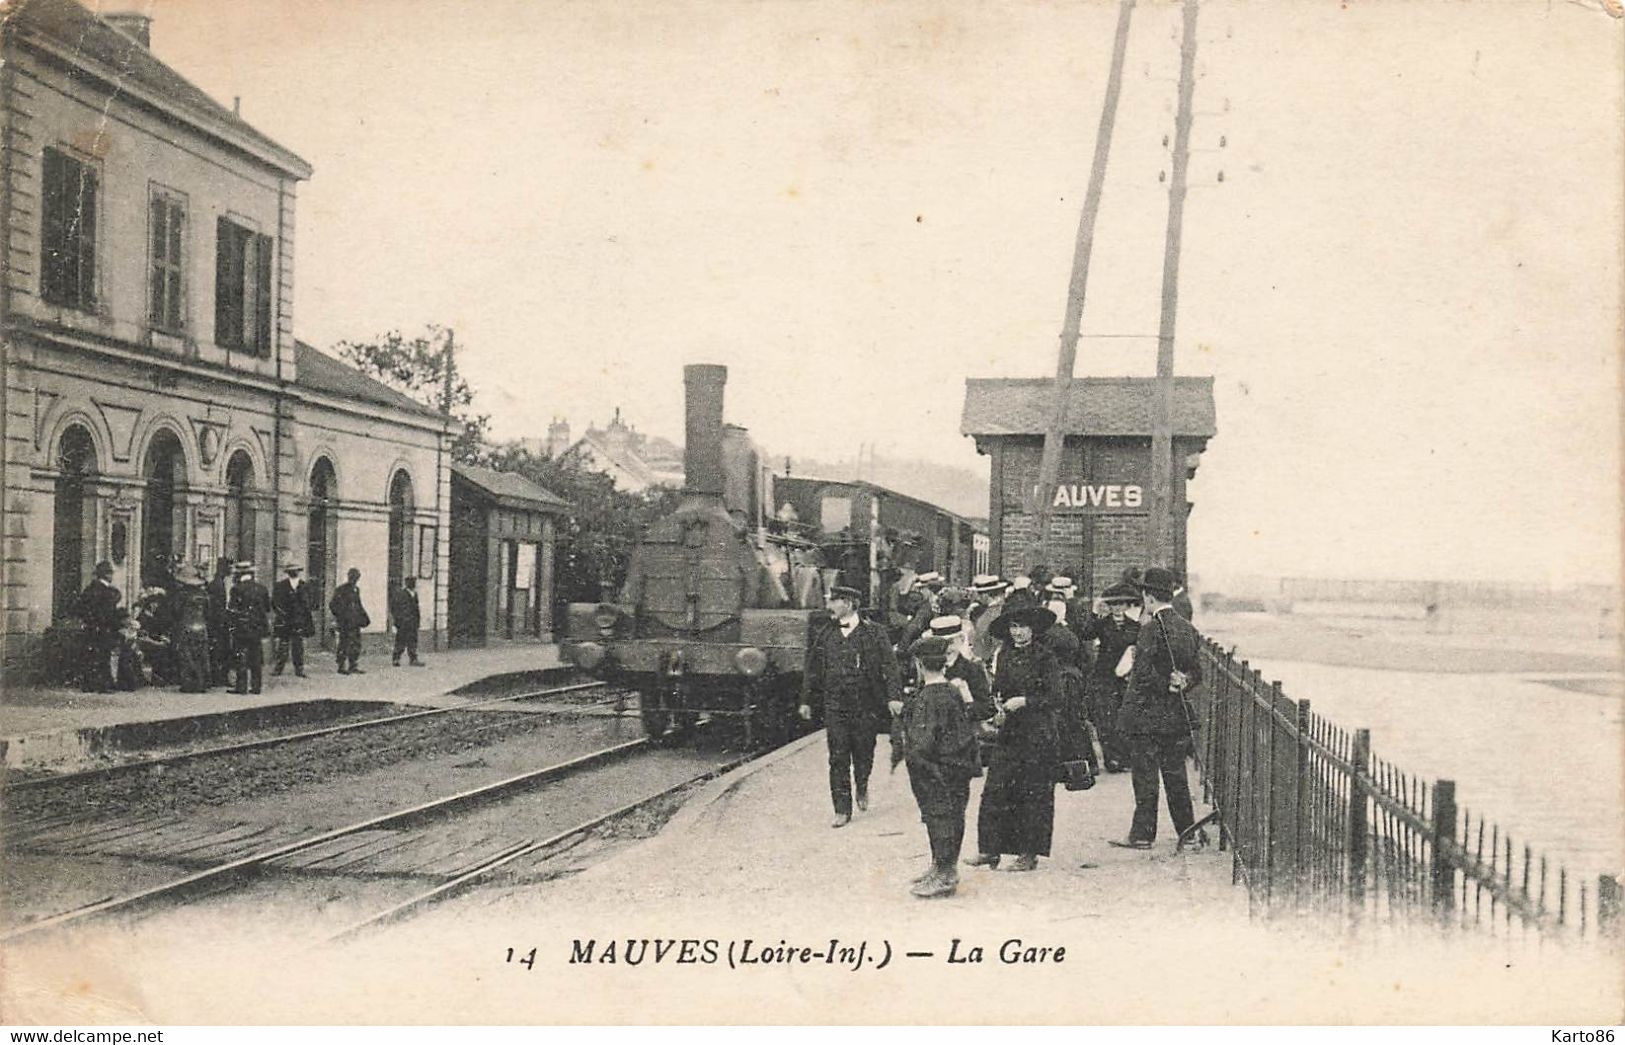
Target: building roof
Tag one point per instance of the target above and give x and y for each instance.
(1109, 406)
(99, 49)
(320, 372)
(509, 488)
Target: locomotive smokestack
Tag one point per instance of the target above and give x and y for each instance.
(702, 449)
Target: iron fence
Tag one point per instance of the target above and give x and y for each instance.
(1316, 823)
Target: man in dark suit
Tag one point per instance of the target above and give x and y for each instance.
(851, 670)
(349, 616)
(403, 607)
(219, 624)
(250, 613)
(1154, 718)
(98, 610)
(290, 602)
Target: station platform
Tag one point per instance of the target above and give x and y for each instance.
(1149, 937)
(61, 728)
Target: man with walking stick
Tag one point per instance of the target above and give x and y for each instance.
(1154, 719)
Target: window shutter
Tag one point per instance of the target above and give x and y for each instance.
(156, 215)
(177, 271)
(228, 285)
(53, 228)
(86, 218)
(262, 294)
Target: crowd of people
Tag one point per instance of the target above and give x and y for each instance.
(1022, 682)
(198, 633)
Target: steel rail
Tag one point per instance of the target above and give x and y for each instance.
(523, 849)
(267, 742)
(253, 861)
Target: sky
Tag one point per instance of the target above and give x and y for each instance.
(1407, 287)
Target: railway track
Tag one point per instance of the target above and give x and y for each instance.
(234, 872)
(99, 773)
(519, 851)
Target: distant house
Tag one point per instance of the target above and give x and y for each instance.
(636, 461)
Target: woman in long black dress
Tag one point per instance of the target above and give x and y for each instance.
(1017, 813)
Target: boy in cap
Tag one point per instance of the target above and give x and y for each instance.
(851, 670)
(940, 749)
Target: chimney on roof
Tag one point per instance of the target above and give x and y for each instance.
(558, 438)
(132, 24)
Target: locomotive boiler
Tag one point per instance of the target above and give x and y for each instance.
(716, 613)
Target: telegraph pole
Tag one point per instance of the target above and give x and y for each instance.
(1049, 466)
(1159, 551)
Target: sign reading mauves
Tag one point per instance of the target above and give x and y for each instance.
(1087, 498)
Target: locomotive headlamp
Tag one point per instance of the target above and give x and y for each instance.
(750, 661)
(587, 655)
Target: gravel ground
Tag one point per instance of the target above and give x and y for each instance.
(206, 783)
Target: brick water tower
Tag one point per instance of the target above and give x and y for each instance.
(1101, 507)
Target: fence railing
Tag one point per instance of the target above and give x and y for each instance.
(1316, 823)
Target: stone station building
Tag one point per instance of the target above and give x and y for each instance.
(154, 401)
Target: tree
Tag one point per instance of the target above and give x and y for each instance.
(417, 367)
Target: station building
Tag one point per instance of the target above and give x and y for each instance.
(154, 401)
(1101, 512)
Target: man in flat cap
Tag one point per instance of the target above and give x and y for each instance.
(290, 601)
(851, 671)
(350, 617)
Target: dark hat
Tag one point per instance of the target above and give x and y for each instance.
(929, 646)
(1159, 581)
(850, 594)
(1021, 597)
(1121, 592)
(353, 573)
(1035, 617)
(104, 569)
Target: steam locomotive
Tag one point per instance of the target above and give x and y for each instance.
(717, 610)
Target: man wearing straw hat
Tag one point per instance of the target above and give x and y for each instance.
(1154, 717)
(850, 668)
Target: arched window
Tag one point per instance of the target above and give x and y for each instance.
(240, 515)
(163, 470)
(73, 539)
(322, 532)
(400, 527)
